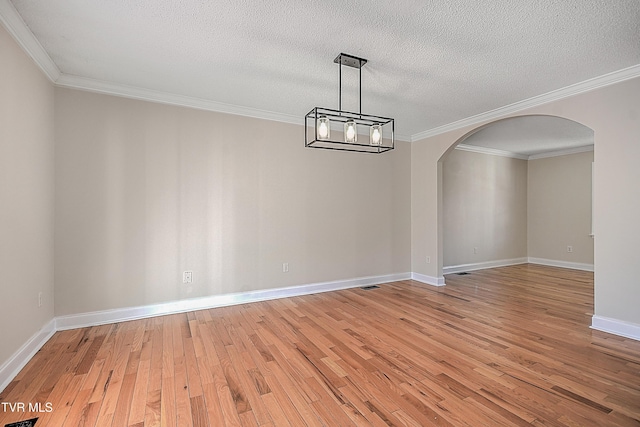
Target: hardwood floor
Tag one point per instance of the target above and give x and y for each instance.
(507, 346)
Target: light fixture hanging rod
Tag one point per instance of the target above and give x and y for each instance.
(354, 62)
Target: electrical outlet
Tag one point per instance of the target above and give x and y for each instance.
(187, 277)
(569, 249)
(39, 299)
(475, 250)
(285, 267)
(428, 260)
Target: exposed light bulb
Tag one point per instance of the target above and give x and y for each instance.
(375, 135)
(350, 132)
(324, 128)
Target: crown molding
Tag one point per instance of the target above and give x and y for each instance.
(575, 150)
(399, 137)
(510, 154)
(566, 92)
(18, 29)
(99, 86)
(16, 26)
(491, 151)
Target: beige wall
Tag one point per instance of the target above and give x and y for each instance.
(26, 197)
(613, 112)
(484, 207)
(559, 208)
(145, 191)
(510, 208)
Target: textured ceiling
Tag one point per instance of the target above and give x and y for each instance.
(431, 63)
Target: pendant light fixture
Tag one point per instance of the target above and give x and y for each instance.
(346, 124)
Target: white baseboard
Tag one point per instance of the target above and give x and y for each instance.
(483, 265)
(616, 327)
(12, 367)
(515, 261)
(429, 280)
(132, 313)
(562, 264)
(20, 358)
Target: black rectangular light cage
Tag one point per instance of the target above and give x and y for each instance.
(345, 130)
(337, 120)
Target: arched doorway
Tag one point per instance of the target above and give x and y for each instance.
(518, 190)
(612, 112)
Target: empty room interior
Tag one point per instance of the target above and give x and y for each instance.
(319, 213)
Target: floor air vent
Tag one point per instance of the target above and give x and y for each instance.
(26, 423)
(368, 288)
(464, 273)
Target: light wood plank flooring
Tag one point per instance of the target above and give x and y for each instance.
(508, 346)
